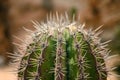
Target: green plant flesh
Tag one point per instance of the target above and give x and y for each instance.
(63, 53)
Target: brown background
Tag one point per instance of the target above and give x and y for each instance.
(14, 14)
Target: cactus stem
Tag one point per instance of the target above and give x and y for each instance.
(72, 52)
(59, 72)
(41, 58)
(80, 60)
(96, 64)
(27, 66)
(67, 61)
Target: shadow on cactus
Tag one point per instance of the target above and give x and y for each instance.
(64, 50)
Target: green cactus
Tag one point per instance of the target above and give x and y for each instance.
(63, 50)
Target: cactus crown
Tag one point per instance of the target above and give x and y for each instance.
(63, 50)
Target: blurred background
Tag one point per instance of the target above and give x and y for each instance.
(14, 14)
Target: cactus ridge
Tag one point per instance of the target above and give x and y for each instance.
(64, 50)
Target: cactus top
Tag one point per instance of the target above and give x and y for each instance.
(64, 50)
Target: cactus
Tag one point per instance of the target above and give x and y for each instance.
(64, 50)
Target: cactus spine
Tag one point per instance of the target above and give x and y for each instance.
(64, 50)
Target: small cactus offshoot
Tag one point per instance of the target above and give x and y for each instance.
(64, 50)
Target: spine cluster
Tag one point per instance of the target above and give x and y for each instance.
(64, 50)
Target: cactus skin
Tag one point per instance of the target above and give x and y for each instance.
(64, 50)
